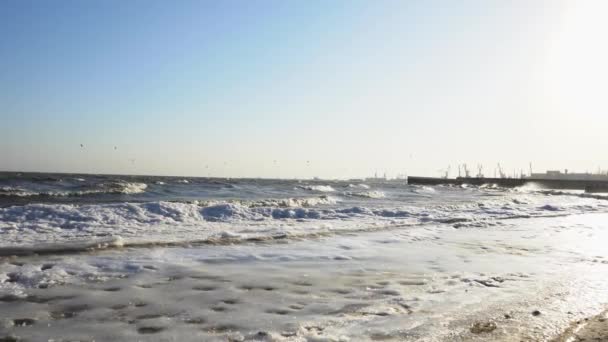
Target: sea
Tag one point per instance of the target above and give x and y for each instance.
(129, 258)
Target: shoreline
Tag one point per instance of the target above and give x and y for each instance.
(455, 285)
(593, 328)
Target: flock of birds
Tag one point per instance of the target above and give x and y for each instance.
(132, 160)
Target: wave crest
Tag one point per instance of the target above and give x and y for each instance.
(366, 194)
(319, 188)
(358, 186)
(118, 187)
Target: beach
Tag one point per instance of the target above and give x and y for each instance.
(588, 329)
(465, 264)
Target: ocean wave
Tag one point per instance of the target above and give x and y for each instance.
(293, 202)
(82, 245)
(550, 207)
(533, 188)
(530, 187)
(124, 216)
(123, 187)
(573, 194)
(119, 187)
(424, 190)
(273, 202)
(320, 188)
(49, 228)
(12, 191)
(366, 194)
(489, 186)
(88, 216)
(37, 224)
(358, 186)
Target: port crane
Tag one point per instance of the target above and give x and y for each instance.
(479, 171)
(467, 172)
(501, 173)
(445, 173)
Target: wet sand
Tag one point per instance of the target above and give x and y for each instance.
(588, 329)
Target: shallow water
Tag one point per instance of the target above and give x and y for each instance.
(296, 261)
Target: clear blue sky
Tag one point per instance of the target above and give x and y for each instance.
(301, 88)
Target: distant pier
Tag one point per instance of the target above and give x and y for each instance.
(587, 185)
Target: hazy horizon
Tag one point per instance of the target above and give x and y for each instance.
(492, 173)
(302, 89)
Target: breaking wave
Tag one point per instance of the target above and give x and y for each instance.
(43, 225)
(293, 202)
(424, 190)
(319, 188)
(12, 191)
(358, 186)
(85, 217)
(366, 194)
(119, 187)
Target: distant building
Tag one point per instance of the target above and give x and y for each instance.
(376, 178)
(556, 174)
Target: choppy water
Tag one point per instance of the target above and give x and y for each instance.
(44, 211)
(322, 260)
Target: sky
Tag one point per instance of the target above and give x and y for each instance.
(303, 88)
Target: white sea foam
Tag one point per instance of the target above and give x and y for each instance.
(119, 187)
(528, 188)
(15, 191)
(124, 187)
(72, 227)
(358, 186)
(340, 288)
(319, 188)
(424, 190)
(293, 202)
(366, 194)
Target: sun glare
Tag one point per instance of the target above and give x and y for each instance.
(576, 68)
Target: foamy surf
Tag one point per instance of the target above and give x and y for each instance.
(366, 194)
(102, 188)
(319, 188)
(180, 222)
(63, 247)
(487, 284)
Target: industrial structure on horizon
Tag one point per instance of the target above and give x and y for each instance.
(552, 179)
(558, 175)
